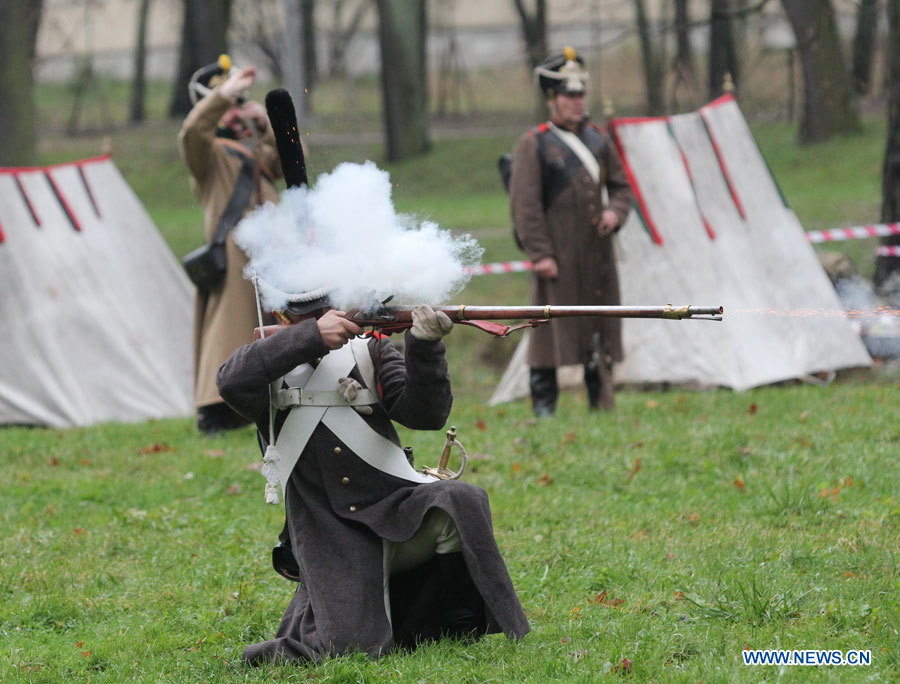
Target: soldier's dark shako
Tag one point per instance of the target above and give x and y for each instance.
(562, 74)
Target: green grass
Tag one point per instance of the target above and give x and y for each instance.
(671, 534)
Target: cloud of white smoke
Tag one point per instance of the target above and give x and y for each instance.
(344, 235)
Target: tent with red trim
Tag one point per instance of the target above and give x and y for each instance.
(711, 227)
(97, 312)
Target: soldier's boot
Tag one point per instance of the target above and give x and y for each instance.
(544, 391)
(599, 387)
(462, 608)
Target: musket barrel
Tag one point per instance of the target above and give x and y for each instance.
(465, 312)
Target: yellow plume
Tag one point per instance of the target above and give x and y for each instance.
(225, 63)
(569, 53)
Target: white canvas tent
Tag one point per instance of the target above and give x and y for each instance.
(95, 311)
(713, 229)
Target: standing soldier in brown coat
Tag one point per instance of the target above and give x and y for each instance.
(559, 172)
(229, 150)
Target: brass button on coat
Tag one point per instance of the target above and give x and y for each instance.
(345, 480)
(352, 509)
(337, 450)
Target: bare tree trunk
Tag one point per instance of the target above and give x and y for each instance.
(652, 73)
(19, 21)
(722, 55)
(136, 108)
(293, 53)
(534, 30)
(828, 105)
(534, 33)
(342, 34)
(203, 39)
(402, 30)
(890, 184)
(864, 45)
(684, 52)
(310, 62)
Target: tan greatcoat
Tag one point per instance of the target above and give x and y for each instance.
(225, 317)
(568, 232)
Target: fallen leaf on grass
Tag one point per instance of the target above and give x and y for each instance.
(752, 410)
(79, 530)
(635, 468)
(849, 574)
(79, 644)
(679, 596)
(739, 483)
(233, 490)
(635, 445)
(54, 461)
(569, 437)
(516, 467)
(156, 448)
(602, 599)
(86, 653)
(481, 425)
(694, 518)
(545, 479)
(744, 450)
(652, 404)
(623, 668)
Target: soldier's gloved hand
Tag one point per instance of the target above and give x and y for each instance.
(348, 389)
(429, 324)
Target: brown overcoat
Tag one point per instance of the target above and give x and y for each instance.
(567, 231)
(225, 317)
(338, 509)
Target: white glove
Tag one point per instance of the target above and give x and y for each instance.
(348, 388)
(429, 324)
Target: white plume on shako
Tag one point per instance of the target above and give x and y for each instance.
(344, 235)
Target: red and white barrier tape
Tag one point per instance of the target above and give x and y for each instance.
(854, 233)
(499, 267)
(814, 236)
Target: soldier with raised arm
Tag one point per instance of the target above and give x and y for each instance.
(228, 147)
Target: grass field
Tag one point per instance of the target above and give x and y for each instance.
(653, 544)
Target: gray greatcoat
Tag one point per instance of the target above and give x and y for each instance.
(338, 509)
(225, 317)
(567, 231)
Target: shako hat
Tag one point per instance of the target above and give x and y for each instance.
(306, 302)
(297, 303)
(562, 74)
(208, 77)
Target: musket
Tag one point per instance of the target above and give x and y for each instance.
(398, 318)
(391, 319)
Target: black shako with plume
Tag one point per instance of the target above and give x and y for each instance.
(283, 117)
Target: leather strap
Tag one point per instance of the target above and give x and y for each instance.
(237, 203)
